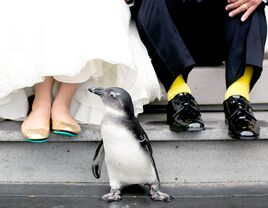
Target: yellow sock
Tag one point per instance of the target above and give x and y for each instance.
(178, 86)
(242, 85)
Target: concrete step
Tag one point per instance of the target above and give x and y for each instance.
(86, 195)
(204, 157)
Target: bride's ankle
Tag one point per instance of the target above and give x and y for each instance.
(42, 107)
(45, 111)
(60, 112)
(37, 118)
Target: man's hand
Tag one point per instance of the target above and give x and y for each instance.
(242, 6)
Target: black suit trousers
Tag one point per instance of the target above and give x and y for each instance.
(180, 34)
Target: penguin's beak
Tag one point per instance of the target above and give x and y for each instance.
(98, 91)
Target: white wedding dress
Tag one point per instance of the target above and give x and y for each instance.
(91, 42)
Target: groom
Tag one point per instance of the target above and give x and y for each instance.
(182, 34)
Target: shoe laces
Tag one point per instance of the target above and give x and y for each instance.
(242, 109)
(188, 103)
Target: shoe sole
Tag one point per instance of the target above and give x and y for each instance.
(178, 129)
(36, 141)
(243, 137)
(64, 133)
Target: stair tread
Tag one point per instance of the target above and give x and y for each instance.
(96, 190)
(78, 196)
(154, 125)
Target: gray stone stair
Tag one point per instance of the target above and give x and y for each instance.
(86, 196)
(204, 157)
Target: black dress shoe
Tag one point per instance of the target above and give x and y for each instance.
(183, 114)
(240, 119)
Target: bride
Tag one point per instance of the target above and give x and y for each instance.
(65, 47)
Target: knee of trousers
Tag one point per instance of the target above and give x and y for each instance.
(151, 10)
(154, 2)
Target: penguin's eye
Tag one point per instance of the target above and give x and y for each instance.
(112, 94)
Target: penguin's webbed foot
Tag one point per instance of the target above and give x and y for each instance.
(114, 195)
(160, 196)
(157, 195)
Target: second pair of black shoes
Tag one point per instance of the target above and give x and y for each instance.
(183, 114)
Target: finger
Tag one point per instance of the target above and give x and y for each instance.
(248, 13)
(237, 11)
(232, 1)
(235, 5)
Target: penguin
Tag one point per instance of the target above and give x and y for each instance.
(125, 147)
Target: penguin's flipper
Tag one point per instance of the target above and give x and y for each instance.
(144, 141)
(98, 160)
(150, 153)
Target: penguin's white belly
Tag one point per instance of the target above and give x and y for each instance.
(126, 161)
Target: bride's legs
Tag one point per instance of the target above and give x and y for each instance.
(60, 112)
(36, 126)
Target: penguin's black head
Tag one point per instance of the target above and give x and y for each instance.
(115, 98)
